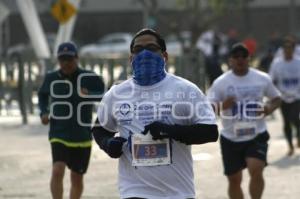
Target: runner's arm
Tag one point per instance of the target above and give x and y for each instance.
(188, 134)
(107, 142)
(271, 105)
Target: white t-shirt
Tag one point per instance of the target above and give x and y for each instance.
(279, 55)
(173, 100)
(206, 40)
(286, 74)
(240, 122)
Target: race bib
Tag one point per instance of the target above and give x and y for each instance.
(243, 129)
(148, 152)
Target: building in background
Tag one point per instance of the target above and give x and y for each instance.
(99, 17)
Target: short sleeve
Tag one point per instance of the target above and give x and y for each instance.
(271, 91)
(213, 94)
(273, 72)
(203, 111)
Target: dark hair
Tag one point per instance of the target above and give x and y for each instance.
(147, 31)
(289, 40)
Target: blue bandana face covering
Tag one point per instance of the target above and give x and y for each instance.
(148, 68)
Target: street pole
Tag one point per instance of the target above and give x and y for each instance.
(22, 90)
(65, 30)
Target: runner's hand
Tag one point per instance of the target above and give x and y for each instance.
(84, 92)
(228, 103)
(45, 119)
(264, 112)
(114, 146)
(157, 130)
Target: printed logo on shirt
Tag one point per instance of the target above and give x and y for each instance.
(290, 82)
(124, 108)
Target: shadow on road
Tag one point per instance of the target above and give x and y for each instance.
(286, 162)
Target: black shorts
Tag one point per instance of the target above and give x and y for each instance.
(234, 154)
(76, 158)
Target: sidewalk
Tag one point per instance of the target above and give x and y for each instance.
(25, 165)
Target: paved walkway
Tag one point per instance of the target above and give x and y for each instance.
(25, 165)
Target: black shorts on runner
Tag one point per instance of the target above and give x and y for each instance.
(234, 154)
(76, 158)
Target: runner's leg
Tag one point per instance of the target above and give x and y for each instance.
(56, 183)
(234, 187)
(256, 185)
(285, 111)
(76, 185)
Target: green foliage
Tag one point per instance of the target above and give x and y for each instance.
(217, 6)
(221, 6)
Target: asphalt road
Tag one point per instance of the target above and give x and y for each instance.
(25, 165)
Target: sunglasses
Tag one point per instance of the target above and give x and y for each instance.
(239, 56)
(151, 47)
(66, 58)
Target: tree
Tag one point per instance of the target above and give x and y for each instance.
(196, 16)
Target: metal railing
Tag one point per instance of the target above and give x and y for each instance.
(20, 79)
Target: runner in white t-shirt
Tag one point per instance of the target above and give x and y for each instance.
(158, 116)
(286, 76)
(238, 97)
